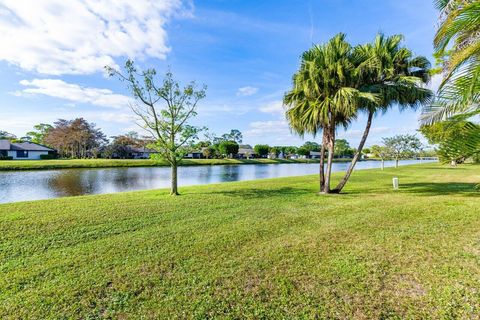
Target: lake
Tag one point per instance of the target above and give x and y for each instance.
(47, 184)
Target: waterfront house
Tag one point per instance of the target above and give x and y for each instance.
(23, 150)
(140, 152)
(246, 152)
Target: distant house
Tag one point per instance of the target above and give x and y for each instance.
(23, 150)
(194, 155)
(315, 154)
(141, 152)
(246, 152)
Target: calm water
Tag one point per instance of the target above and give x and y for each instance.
(46, 184)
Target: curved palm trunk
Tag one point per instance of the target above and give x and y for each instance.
(330, 140)
(357, 155)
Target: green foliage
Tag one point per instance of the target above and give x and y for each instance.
(342, 149)
(47, 156)
(4, 135)
(381, 152)
(402, 146)
(311, 146)
(39, 133)
(234, 135)
(228, 148)
(457, 45)
(261, 149)
(164, 109)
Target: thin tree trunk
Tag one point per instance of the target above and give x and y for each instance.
(322, 162)
(357, 155)
(396, 162)
(331, 149)
(174, 189)
(383, 164)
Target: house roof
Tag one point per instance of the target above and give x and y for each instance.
(245, 150)
(27, 146)
(142, 150)
(4, 145)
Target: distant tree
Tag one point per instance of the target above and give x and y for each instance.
(209, 152)
(274, 150)
(228, 148)
(290, 150)
(261, 150)
(234, 135)
(74, 138)
(7, 136)
(312, 146)
(303, 151)
(402, 146)
(39, 133)
(122, 145)
(202, 144)
(164, 110)
(342, 149)
(381, 152)
(366, 151)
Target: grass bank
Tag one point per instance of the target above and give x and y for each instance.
(262, 249)
(8, 165)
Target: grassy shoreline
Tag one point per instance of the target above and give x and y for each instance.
(254, 249)
(11, 165)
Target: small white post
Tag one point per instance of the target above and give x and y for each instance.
(395, 183)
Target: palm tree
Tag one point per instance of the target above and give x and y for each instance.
(324, 96)
(458, 98)
(395, 75)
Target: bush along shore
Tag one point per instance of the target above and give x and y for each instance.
(111, 163)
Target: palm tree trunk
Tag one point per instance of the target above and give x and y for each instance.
(322, 163)
(174, 188)
(331, 149)
(357, 155)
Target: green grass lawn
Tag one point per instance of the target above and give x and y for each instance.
(107, 163)
(264, 249)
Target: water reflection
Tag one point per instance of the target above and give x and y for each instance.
(34, 185)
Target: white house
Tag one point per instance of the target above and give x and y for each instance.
(141, 152)
(23, 150)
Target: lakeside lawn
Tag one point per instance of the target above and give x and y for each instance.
(10, 165)
(263, 249)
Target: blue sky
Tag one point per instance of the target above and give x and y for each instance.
(245, 51)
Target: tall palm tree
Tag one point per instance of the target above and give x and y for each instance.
(324, 96)
(395, 75)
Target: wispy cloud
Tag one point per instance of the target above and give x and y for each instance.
(246, 91)
(73, 92)
(274, 107)
(81, 37)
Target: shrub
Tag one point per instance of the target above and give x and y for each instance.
(48, 156)
(6, 158)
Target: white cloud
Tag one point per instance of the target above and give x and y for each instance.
(73, 92)
(82, 36)
(355, 133)
(247, 91)
(274, 107)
